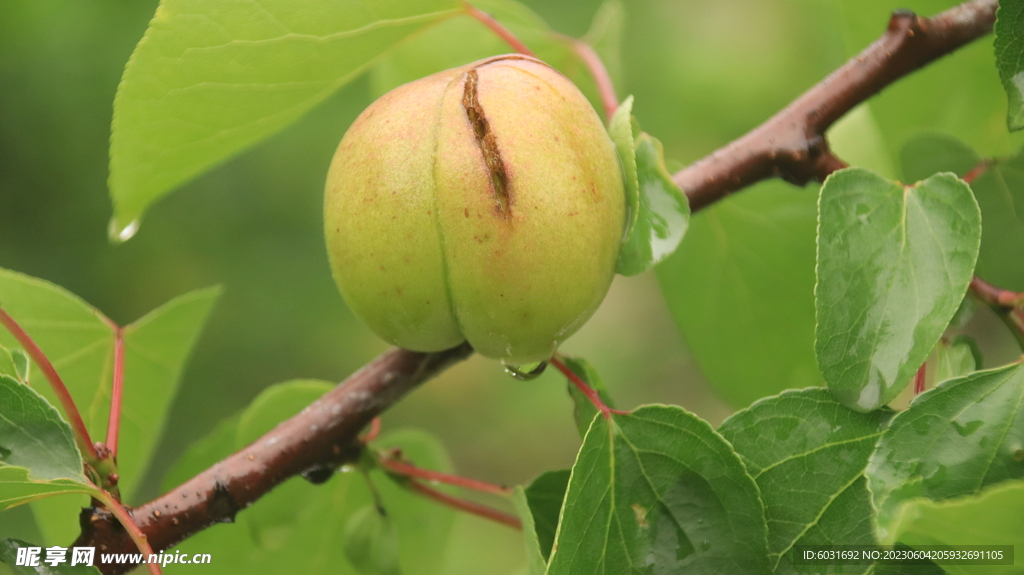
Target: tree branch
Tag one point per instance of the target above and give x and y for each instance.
(791, 144)
(313, 443)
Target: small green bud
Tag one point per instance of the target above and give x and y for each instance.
(483, 203)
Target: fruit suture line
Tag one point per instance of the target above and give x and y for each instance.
(790, 145)
(488, 145)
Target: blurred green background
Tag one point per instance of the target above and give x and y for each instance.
(702, 72)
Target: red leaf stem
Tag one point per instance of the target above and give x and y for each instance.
(588, 391)
(407, 470)
(82, 438)
(467, 506)
(116, 391)
(495, 26)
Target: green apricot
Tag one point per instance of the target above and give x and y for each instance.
(483, 204)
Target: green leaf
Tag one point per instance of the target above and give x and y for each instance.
(894, 263)
(659, 489)
(1009, 47)
(620, 129)
(536, 563)
(662, 216)
(807, 454)
(76, 338)
(657, 211)
(35, 436)
(9, 556)
(993, 517)
(930, 153)
(156, 348)
(79, 341)
(424, 527)
(545, 496)
(17, 486)
(954, 440)
(999, 189)
(1000, 193)
(210, 79)
(741, 288)
(371, 543)
(7, 363)
(38, 455)
(583, 409)
(956, 358)
(20, 523)
(298, 515)
(21, 364)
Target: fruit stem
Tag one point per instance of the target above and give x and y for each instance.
(466, 505)
(82, 438)
(411, 471)
(588, 391)
(496, 27)
(1008, 305)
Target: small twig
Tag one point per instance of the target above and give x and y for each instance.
(1006, 304)
(467, 506)
(791, 144)
(81, 434)
(495, 26)
(411, 471)
(588, 391)
(126, 520)
(116, 391)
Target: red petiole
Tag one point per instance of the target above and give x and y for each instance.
(495, 26)
(82, 438)
(588, 391)
(407, 470)
(116, 392)
(466, 505)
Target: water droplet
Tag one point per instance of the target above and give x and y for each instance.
(705, 545)
(118, 233)
(526, 372)
(318, 474)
